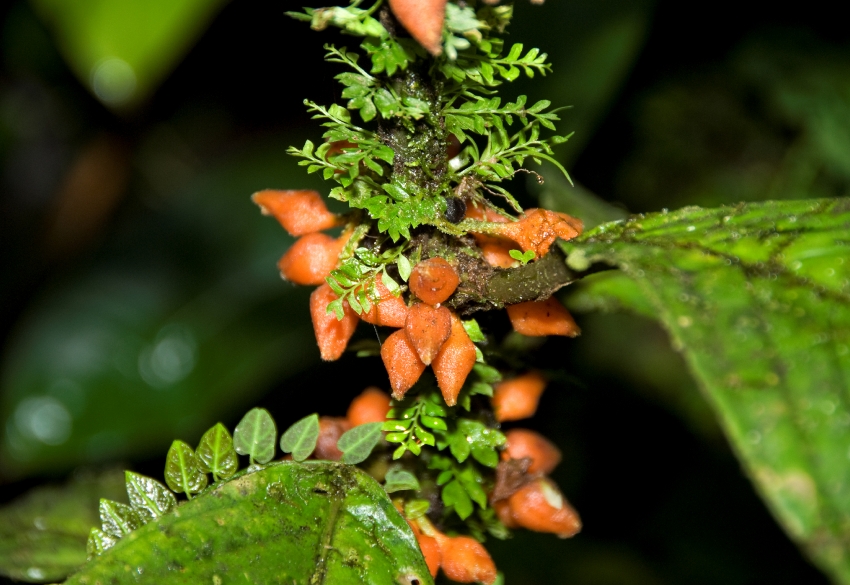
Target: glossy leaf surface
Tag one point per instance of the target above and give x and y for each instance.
(256, 435)
(313, 522)
(757, 297)
(149, 497)
(182, 472)
(216, 454)
(43, 534)
(357, 444)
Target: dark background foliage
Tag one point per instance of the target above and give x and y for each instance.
(141, 302)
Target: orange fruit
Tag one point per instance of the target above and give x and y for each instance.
(537, 229)
(403, 364)
(433, 280)
(541, 318)
(389, 311)
(299, 212)
(541, 507)
(427, 328)
(525, 443)
(517, 398)
(423, 19)
(332, 335)
(454, 361)
(331, 429)
(311, 258)
(371, 406)
(465, 560)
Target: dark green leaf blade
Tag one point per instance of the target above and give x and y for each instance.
(182, 473)
(43, 534)
(398, 480)
(216, 454)
(357, 444)
(267, 539)
(300, 439)
(757, 297)
(256, 435)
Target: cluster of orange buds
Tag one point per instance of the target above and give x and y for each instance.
(432, 335)
(462, 558)
(534, 502)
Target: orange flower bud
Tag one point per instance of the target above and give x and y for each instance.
(465, 560)
(504, 514)
(331, 335)
(403, 364)
(299, 212)
(454, 362)
(497, 253)
(371, 406)
(525, 443)
(536, 229)
(389, 311)
(517, 398)
(427, 328)
(484, 213)
(311, 259)
(429, 546)
(433, 280)
(541, 507)
(423, 19)
(331, 429)
(541, 318)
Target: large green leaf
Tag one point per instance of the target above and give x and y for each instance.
(757, 297)
(289, 523)
(122, 49)
(43, 534)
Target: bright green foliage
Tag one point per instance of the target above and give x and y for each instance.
(357, 444)
(757, 297)
(256, 435)
(149, 497)
(398, 479)
(355, 279)
(118, 519)
(216, 454)
(182, 470)
(313, 522)
(300, 439)
(43, 534)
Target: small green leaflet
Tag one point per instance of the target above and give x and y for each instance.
(404, 268)
(118, 519)
(357, 444)
(182, 473)
(216, 454)
(473, 329)
(255, 436)
(524, 258)
(300, 439)
(455, 496)
(398, 480)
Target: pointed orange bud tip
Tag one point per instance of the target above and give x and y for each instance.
(433, 280)
(332, 335)
(403, 365)
(371, 406)
(389, 311)
(311, 258)
(542, 318)
(427, 328)
(517, 398)
(523, 443)
(465, 560)
(299, 212)
(331, 429)
(423, 19)
(454, 362)
(537, 229)
(540, 506)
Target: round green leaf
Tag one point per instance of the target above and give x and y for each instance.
(300, 439)
(315, 522)
(357, 444)
(182, 473)
(216, 454)
(255, 435)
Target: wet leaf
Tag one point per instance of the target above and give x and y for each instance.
(43, 533)
(182, 472)
(150, 498)
(118, 519)
(216, 454)
(256, 435)
(757, 298)
(300, 439)
(98, 542)
(314, 522)
(357, 444)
